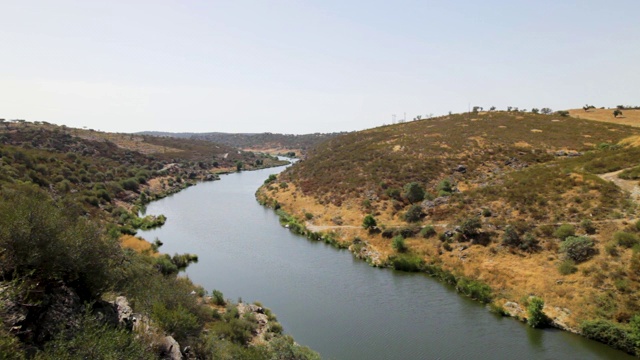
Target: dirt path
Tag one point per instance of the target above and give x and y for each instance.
(629, 185)
(317, 228)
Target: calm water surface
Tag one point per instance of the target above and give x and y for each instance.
(331, 302)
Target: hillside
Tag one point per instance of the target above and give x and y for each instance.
(264, 142)
(520, 203)
(74, 281)
(629, 117)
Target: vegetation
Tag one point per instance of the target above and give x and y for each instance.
(578, 248)
(66, 199)
(535, 316)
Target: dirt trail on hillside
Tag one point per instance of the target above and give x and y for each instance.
(629, 185)
(317, 228)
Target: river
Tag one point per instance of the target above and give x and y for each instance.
(330, 301)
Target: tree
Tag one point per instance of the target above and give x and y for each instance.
(588, 107)
(563, 113)
(413, 192)
(535, 110)
(616, 113)
(239, 165)
(535, 316)
(493, 108)
(414, 214)
(546, 111)
(369, 222)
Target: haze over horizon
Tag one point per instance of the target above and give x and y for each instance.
(308, 66)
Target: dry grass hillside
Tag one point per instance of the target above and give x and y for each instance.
(507, 199)
(629, 117)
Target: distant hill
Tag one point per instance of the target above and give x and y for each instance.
(267, 142)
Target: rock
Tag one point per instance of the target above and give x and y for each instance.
(514, 309)
(461, 169)
(170, 349)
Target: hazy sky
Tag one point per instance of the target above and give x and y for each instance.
(308, 66)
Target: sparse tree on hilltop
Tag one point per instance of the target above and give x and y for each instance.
(616, 113)
(546, 111)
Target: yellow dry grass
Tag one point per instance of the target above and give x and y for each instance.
(632, 141)
(629, 117)
(137, 244)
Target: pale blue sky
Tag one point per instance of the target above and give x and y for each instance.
(308, 66)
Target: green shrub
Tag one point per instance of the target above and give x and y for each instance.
(94, 340)
(218, 297)
(609, 333)
(414, 214)
(413, 192)
(564, 231)
(578, 248)
(407, 262)
(42, 241)
(271, 179)
(587, 226)
(511, 237)
(308, 215)
(179, 321)
(535, 316)
(625, 239)
(428, 231)
(470, 227)
(474, 289)
(369, 222)
(399, 244)
(567, 267)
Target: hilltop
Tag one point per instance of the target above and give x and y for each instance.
(504, 205)
(264, 142)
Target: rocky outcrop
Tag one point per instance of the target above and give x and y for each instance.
(170, 349)
(262, 320)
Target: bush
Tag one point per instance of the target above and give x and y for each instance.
(588, 227)
(94, 340)
(406, 262)
(578, 248)
(428, 231)
(414, 214)
(413, 192)
(399, 244)
(41, 241)
(511, 237)
(535, 316)
(567, 267)
(469, 227)
(474, 289)
(530, 243)
(218, 298)
(626, 240)
(564, 231)
(369, 222)
(270, 179)
(609, 333)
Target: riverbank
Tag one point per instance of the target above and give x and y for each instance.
(510, 278)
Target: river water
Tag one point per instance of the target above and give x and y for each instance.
(330, 301)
